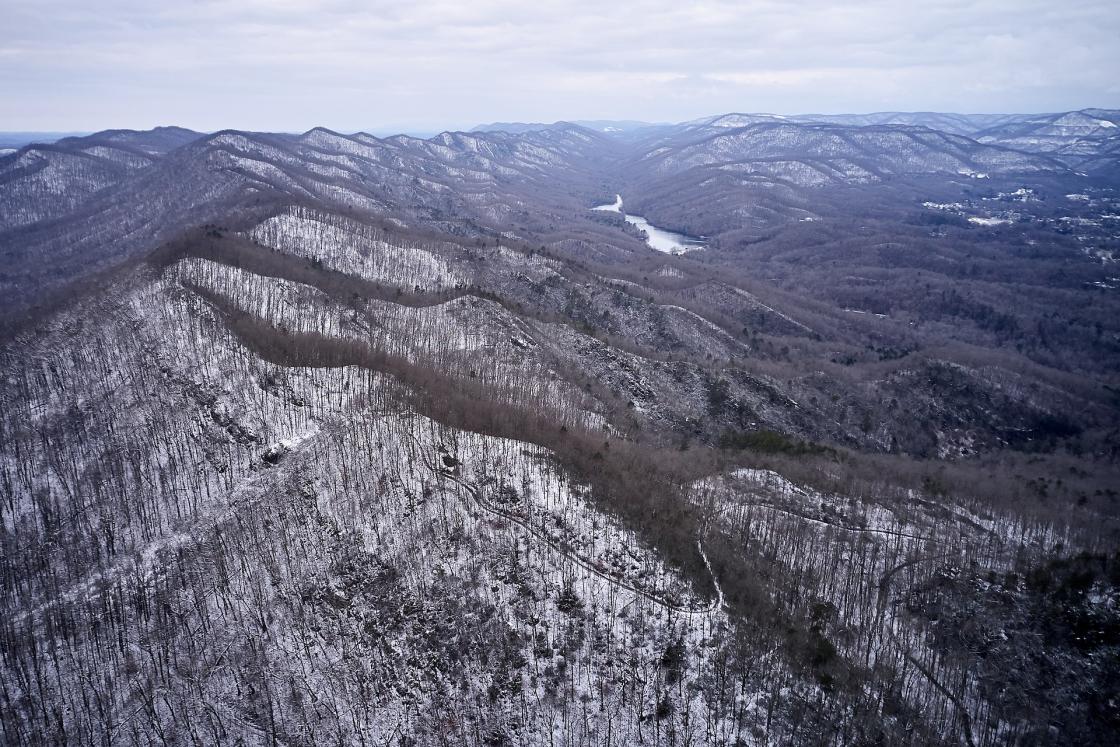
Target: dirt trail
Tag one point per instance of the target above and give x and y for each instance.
(473, 491)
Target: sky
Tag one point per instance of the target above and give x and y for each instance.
(386, 66)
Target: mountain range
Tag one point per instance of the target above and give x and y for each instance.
(332, 438)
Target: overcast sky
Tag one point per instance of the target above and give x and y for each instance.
(387, 66)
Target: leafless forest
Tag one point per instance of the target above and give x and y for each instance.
(336, 439)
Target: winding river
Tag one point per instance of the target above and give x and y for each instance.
(657, 238)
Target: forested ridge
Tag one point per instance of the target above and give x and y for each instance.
(395, 441)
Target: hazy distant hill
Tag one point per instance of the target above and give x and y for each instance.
(599, 125)
(959, 124)
(20, 139)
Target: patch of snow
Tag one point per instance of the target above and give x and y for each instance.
(613, 207)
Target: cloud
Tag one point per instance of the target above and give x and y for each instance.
(291, 64)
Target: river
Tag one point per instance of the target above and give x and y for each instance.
(657, 238)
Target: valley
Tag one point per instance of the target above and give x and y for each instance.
(332, 438)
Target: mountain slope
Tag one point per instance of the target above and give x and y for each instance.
(1087, 140)
(47, 181)
(394, 440)
(455, 182)
(308, 519)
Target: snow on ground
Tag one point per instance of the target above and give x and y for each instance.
(518, 482)
(466, 337)
(357, 250)
(392, 575)
(856, 558)
(979, 221)
(614, 207)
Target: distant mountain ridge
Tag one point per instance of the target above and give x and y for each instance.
(123, 190)
(16, 140)
(47, 180)
(599, 125)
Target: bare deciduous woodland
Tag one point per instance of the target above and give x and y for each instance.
(336, 439)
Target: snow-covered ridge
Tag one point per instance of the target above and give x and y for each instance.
(356, 250)
(332, 538)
